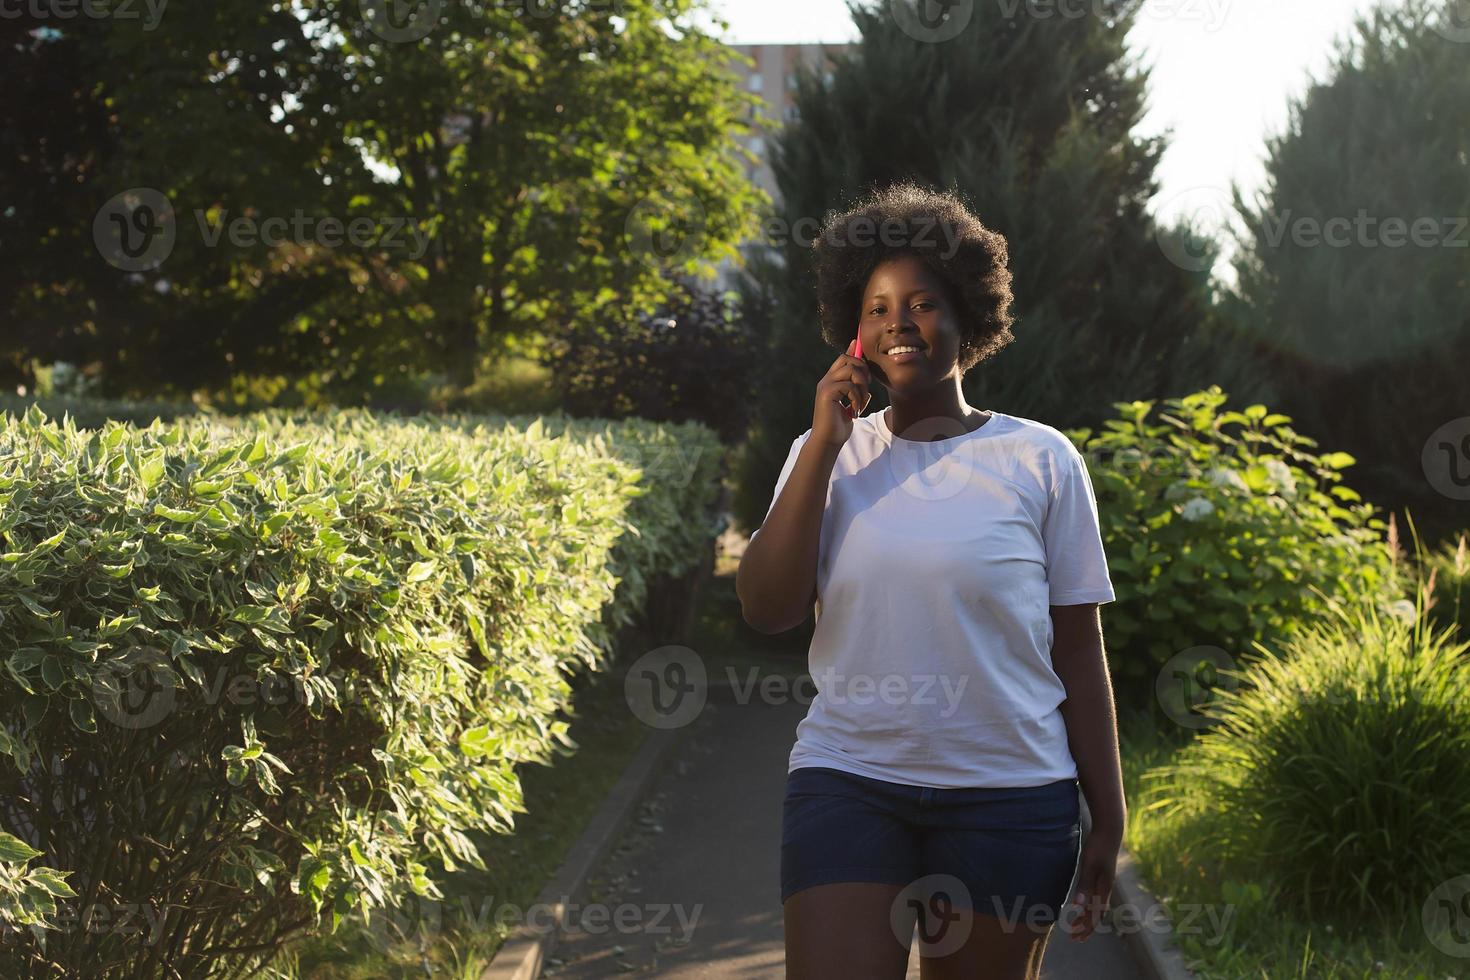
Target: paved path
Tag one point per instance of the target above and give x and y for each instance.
(697, 878)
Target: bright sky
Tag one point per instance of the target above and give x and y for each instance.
(1222, 73)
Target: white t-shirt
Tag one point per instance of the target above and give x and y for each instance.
(937, 567)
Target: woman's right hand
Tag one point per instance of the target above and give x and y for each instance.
(847, 377)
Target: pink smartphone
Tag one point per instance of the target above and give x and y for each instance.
(857, 352)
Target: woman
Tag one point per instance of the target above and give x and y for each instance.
(956, 565)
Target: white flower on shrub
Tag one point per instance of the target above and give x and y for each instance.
(1177, 489)
(1222, 476)
(1280, 475)
(1196, 508)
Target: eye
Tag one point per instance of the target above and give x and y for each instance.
(923, 302)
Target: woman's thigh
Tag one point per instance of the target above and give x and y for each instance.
(1004, 860)
(988, 947)
(848, 851)
(844, 930)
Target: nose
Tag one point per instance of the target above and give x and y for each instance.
(903, 328)
(903, 318)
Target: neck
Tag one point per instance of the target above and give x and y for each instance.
(945, 401)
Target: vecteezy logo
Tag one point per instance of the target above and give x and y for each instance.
(665, 233)
(411, 919)
(667, 687)
(932, 21)
(401, 20)
(1446, 459)
(135, 230)
(936, 908)
(135, 691)
(934, 470)
(1186, 684)
(1203, 215)
(541, 9)
(1446, 916)
(1453, 22)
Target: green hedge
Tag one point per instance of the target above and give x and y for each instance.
(668, 531)
(260, 671)
(94, 413)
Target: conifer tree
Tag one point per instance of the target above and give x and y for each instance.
(1355, 266)
(1030, 115)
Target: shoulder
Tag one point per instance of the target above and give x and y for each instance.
(865, 428)
(1041, 434)
(800, 440)
(1049, 451)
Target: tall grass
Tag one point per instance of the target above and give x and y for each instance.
(1337, 774)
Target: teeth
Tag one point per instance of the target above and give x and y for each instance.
(900, 350)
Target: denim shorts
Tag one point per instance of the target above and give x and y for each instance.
(1014, 850)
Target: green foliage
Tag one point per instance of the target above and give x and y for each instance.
(514, 382)
(1364, 325)
(27, 895)
(1448, 585)
(1226, 927)
(1031, 119)
(62, 378)
(283, 664)
(1222, 528)
(668, 529)
(95, 413)
(1338, 774)
(691, 359)
(521, 149)
(474, 917)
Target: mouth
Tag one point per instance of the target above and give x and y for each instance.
(904, 353)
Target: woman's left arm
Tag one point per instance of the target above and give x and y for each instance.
(1092, 734)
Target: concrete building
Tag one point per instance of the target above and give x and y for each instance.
(773, 78)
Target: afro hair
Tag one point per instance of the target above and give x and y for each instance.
(906, 218)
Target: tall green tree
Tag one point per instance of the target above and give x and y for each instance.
(517, 166)
(1355, 262)
(54, 136)
(1031, 118)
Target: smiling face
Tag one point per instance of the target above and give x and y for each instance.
(906, 305)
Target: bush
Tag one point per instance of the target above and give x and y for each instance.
(1221, 528)
(94, 413)
(1339, 772)
(262, 673)
(65, 379)
(690, 361)
(514, 382)
(674, 529)
(670, 530)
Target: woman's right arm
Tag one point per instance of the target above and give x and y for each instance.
(777, 577)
